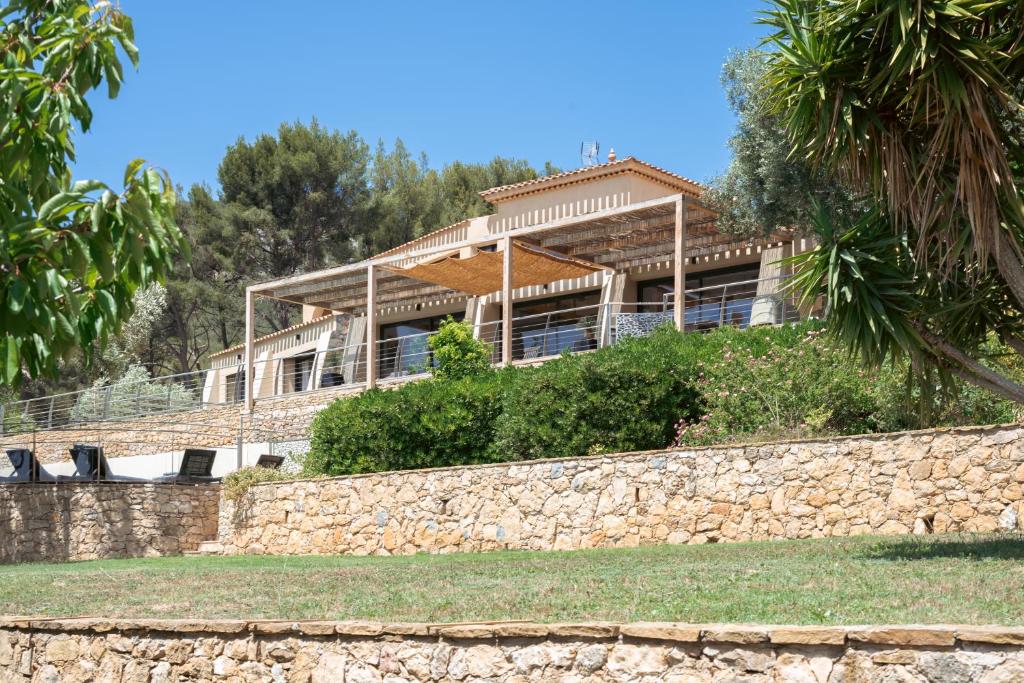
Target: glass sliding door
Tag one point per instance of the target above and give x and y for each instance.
(403, 346)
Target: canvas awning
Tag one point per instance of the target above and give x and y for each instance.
(481, 273)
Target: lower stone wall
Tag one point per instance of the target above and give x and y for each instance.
(913, 482)
(331, 652)
(87, 521)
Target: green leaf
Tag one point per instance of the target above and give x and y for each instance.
(108, 305)
(132, 168)
(12, 359)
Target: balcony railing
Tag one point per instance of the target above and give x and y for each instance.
(534, 337)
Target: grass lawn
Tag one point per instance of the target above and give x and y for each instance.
(965, 579)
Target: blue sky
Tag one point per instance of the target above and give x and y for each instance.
(459, 81)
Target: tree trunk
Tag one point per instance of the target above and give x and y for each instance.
(1008, 262)
(969, 369)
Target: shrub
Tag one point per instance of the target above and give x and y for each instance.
(134, 393)
(626, 397)
(431, 423)
(235, 485)
(456, 353)
(794, 381)
(642, 393)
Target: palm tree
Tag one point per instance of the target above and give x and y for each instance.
(916, 103)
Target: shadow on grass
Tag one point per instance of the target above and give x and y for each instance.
(961, 546)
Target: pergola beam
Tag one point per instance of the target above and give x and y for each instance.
(506, 302)
(680, 266)
(371, 326)
(250, 339)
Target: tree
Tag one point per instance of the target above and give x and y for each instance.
(405, 199)
(914, 102)
(462, 183)
(765, 188)
(297, 199)
(295, 202)
(206, 296)
(72, 254)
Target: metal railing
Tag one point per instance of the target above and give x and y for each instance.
(534, 336)
(113, 401)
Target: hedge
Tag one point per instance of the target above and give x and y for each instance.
(640, 394)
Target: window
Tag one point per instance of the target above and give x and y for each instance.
(296, 372)
(713, 297)
(234, 386)
(548, 327)
(403, 346)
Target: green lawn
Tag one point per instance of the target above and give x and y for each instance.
(966, 579)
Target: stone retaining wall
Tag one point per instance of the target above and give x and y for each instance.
(86, 521)
(913, 482)
(129, 651)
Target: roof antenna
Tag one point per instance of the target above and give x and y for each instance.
(589, 153)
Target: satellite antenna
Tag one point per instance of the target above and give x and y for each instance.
(590, 152)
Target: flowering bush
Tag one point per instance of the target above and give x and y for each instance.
(793, 381)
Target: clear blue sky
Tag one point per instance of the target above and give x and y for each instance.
(459, 81)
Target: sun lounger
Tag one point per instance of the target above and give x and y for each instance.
(271, 462)
(26, 467)
(196, 466)
(90, 465)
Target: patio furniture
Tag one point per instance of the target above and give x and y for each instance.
(90, 465)
(196, 466)
(26, 467)
(271, 462)
(532, 352)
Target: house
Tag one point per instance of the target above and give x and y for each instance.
(583, 257)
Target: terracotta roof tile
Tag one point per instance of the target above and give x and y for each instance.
(588, 171)
(278, 333)
(417, 240)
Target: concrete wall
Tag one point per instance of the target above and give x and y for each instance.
(915, 482)
(359, 652)
(86, 521)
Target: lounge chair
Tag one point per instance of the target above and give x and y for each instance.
(271, 462)
(26, 467)
(90, 465)
(196, 466)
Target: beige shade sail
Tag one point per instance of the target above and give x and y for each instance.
(482, 273)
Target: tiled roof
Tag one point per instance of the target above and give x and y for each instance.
(588, 173)
(495, 194)
(286, 330)
(538, 184)
(421, 238)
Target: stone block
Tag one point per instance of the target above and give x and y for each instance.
(904, 635)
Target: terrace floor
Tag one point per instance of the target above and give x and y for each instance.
(934, 579)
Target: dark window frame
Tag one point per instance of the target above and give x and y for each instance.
(391, 358)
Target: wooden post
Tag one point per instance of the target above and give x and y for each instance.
(506, 302)
(250, 300)
(679, 288)
(371, 326)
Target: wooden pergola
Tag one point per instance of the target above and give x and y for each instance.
(675, 228)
